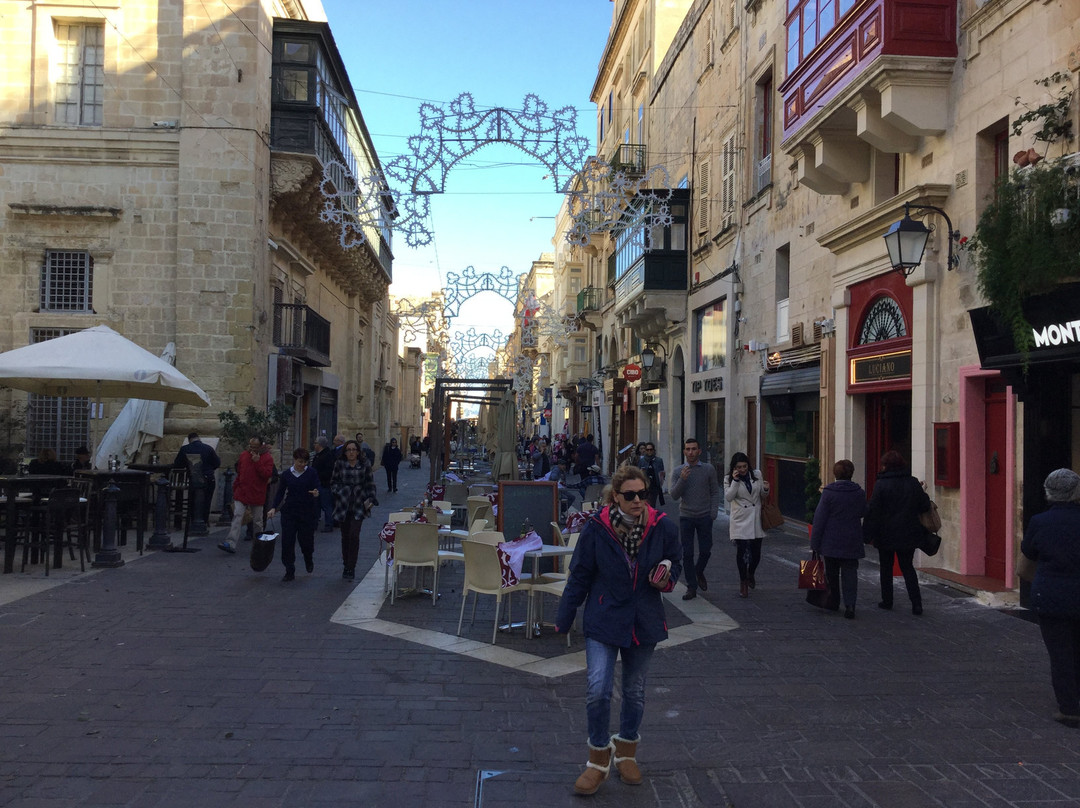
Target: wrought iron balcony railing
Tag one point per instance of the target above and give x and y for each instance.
(302, 333)
(629, 158)
(590, 298)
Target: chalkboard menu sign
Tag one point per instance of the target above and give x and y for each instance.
(536, 501)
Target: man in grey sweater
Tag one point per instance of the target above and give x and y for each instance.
(698, 492)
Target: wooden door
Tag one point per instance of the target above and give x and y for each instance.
(888, 428)
(994, 477)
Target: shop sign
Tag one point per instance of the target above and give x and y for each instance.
(648, 398)
(586, 407)
(1057, 334)
(714, 385)
(632, 373)
(881, 368)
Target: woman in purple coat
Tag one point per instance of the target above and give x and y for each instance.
(838, 536)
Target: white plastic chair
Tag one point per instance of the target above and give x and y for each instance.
(483, 575)
(416, 544)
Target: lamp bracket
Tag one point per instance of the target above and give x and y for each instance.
(953, 259)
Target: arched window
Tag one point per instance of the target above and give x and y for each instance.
(884, 320)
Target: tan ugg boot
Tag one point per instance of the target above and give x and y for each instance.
(596, 770)
(625, 760)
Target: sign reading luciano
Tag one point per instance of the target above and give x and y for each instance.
(881, 368)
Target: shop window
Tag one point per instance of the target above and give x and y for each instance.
(710, 337)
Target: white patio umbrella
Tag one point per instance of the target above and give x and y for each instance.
(97, 363)
(139, 420)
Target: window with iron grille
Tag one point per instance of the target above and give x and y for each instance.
(67, 281)
(79, 68)
(55, 423)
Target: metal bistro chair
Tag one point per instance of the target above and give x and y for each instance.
(64, 525)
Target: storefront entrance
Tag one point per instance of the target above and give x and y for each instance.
(888, 428)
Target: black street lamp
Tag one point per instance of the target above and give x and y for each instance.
(906, 240)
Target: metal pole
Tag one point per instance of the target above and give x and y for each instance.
(226, 498)
(160, 538)
(108, 555)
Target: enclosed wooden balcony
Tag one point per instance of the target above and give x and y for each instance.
(879, 79)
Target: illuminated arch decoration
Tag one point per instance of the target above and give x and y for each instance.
(469, 283)
(451, 133)
(425, 317)
(469, 341)
(472, 367)
(605, 197)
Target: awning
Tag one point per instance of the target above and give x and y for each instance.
(788, 382)
(1055, 322)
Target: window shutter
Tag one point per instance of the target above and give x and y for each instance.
(701, 195)
(727, 191)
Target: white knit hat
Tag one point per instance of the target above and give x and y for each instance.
(1062, 485)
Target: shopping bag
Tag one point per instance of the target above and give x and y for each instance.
(822, 598)
(771, 516)
(812, 573)
(931, 520)
(262, 550)
(930, 543)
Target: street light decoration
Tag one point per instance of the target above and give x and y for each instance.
(906, 240)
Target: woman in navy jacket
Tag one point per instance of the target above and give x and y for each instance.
(837, 535)
(626, 556)
(1053, 540)
(299, 488)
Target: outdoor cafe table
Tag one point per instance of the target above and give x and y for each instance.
(38, 485)
(545, 551)
(99, 481)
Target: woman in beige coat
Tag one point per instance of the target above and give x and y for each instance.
(745, 491)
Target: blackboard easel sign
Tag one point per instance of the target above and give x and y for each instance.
(537, 501)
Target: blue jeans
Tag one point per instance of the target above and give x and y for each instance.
(600, 661)
(688, 527)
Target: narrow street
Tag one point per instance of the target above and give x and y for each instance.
(189, 680)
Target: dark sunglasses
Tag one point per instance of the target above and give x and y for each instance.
(630, 496)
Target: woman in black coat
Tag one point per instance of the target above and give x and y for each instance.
(838, 536)
(1052, 539)
(391, 459)
(892, 526)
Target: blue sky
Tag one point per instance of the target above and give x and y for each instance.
(498, 210)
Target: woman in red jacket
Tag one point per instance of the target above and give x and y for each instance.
(254, 468)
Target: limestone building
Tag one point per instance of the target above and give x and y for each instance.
(201, 173)
(795, 134)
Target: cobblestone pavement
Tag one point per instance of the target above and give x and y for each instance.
(188, 680)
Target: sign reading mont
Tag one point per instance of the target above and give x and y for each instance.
(631, 373)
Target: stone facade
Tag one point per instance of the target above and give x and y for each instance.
(200, 229)
(798, 155)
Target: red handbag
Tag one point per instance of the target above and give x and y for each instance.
(812, 573)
